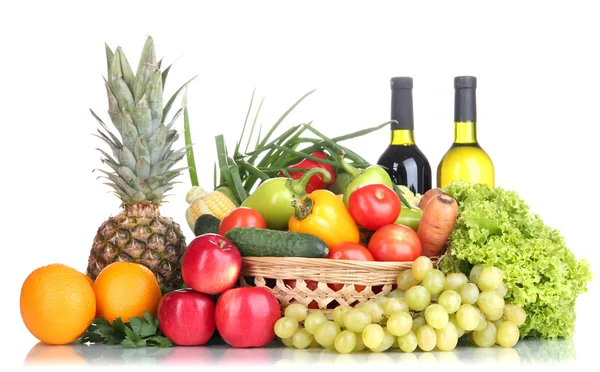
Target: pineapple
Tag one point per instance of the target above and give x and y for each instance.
(141, 170)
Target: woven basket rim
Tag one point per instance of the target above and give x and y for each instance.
(327, 263)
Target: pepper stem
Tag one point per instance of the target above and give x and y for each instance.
(298, 187)
(352, 171)
(302, 209)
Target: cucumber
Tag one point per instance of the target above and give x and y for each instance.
(206, 223)
(255, 242)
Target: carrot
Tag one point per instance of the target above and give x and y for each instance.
(437, 222)
(429, 194)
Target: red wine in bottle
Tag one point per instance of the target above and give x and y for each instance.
(404, 161)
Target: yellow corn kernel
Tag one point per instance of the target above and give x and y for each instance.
(201, 202)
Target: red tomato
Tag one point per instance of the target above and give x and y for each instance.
(242, 217)
(373, 206)
(395, 243)
(349, 251)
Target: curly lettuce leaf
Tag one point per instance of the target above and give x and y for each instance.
(495, 227)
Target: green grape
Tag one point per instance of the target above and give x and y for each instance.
(408, 342)
(302, 339)
(421, 266)
(360, 305)
(326, 332)
(489, 278)
(285, 327)
(418, 321)
(498, 323)
(356, 320)
(447, 337)
(396, 293)
(502, 290)
(345, 342)
(436, 316)
(475, 272)
(496, 316)
(338, 314)
(469, 293)
(482, 321)
(454, 281)
(394, 305)
(507, 334)
(486, 337)
(313, 320)
(426, 337)
(452, 319)
(435, 297)
(388, 341)
(375, 311)
(360, 345)
(434, 281)
(467, 317)
(490, 302)
(515, 314)
(314, 344)
(378, 300)
(450, 300)
(400, 323)
(373, 335)
(406, 280)
(418, 298)
(287, 342)
(296, 311)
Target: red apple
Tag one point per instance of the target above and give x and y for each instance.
(211, 264)
(187, 317)
(245, 316)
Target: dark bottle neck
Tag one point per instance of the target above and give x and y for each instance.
(402, 109)
(465, 108)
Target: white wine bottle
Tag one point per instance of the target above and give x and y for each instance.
(465, 160)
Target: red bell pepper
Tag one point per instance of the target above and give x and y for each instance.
(315, 182)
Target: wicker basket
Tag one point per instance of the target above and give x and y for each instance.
(286, 277)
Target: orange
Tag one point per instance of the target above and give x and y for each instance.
(57, 304)
(88, 279)
(125, 289)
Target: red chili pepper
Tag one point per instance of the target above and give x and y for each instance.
(316, 182)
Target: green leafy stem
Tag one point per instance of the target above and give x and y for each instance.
(137, 332)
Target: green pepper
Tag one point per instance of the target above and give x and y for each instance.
(341, 182)
(272, 199)
(361, 177)
(410, 217)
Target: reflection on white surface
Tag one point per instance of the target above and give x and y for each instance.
(525, 352)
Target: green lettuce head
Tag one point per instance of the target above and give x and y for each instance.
(495, 227)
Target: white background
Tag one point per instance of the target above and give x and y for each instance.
(537, 65)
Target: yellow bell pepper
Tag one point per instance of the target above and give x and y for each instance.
(323, 214)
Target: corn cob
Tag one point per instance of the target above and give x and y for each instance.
(202, 202)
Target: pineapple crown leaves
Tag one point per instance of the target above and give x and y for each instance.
(142, 158)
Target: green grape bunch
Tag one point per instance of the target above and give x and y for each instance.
(428, 311)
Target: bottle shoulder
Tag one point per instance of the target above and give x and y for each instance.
(467, 152)
(403, 152)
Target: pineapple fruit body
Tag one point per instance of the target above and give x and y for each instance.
(142, 169)
(141, 235)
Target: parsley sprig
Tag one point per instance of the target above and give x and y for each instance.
(137, 332)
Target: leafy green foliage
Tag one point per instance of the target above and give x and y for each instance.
(138, 332)
(495, 227)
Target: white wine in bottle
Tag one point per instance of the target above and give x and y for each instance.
(465, 160)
